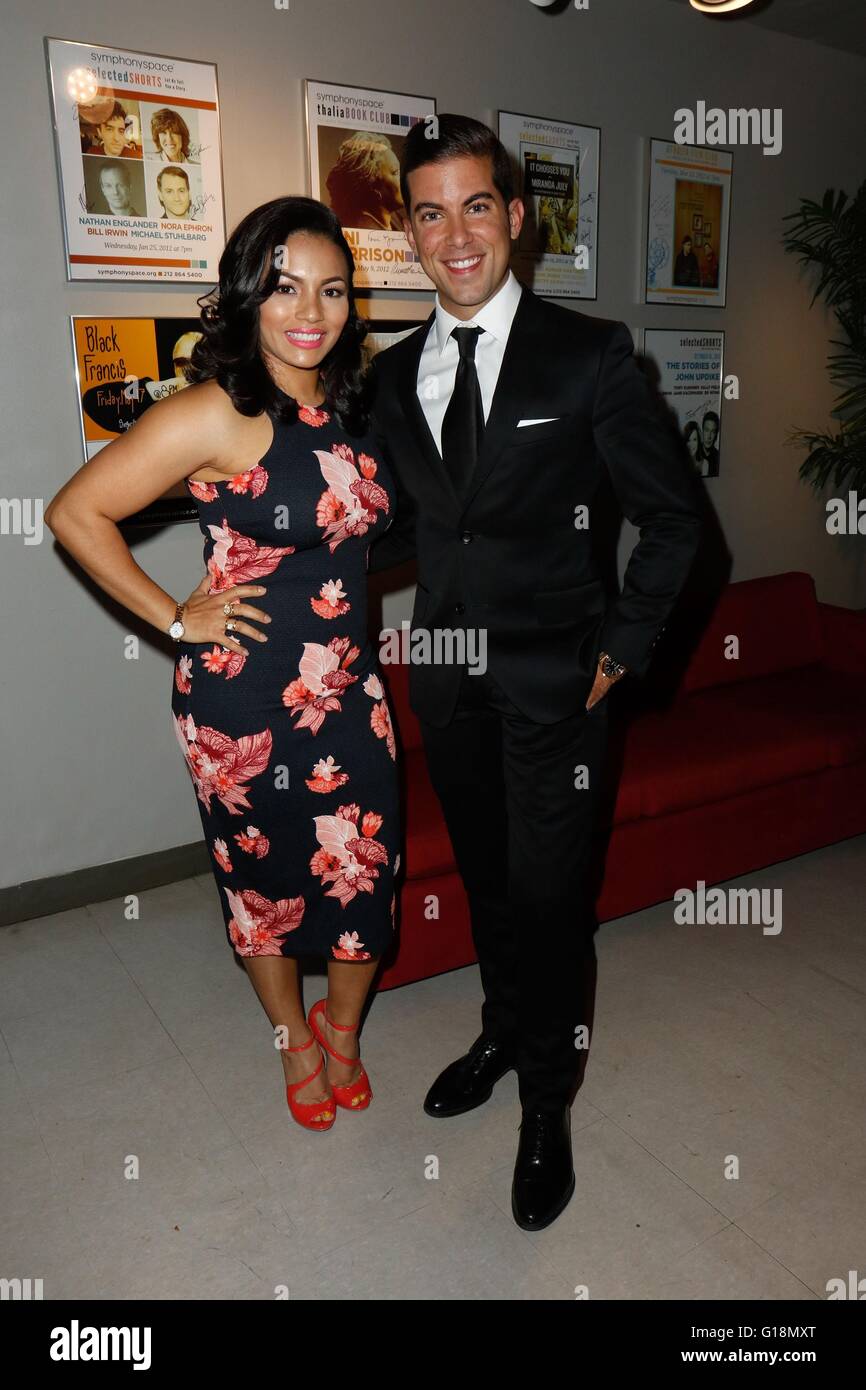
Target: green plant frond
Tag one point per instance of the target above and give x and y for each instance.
(829, 237)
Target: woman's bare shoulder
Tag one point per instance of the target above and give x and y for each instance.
(206, 401)
(204, 410)
(229, 438)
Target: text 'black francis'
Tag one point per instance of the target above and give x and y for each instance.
(543, 1173)
(469, 1081)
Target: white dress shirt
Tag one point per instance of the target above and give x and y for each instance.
(438, 365)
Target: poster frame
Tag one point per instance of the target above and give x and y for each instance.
(58, 164)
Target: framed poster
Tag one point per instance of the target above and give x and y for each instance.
(354, 140)
(688, 218)
(690, 368)
(384, 333)
(122, 367)
(558, 169)
(137, 141)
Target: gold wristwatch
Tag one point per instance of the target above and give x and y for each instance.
(176, 630)
(610, 668)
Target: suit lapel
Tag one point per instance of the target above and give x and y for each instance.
(505, 408)
(415, 416)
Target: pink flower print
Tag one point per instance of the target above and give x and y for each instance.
(236, 559)
(253, 841)
(221, 766)
(347, 860)
(324, 863)
(329, 510)
(253, 481)
(205, 492)
(322, 677)
(367, 465)
(220, 661)
(370, 824)
(330, 603)
(327, 776)
(394, 894)
(312, 415)
(380, 723)
(257, 925)
(351, 504)
(183, 674)
(348, 947)
(380, 715)
(221, 854)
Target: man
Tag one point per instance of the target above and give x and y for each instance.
(710, 268)
(116, 187)
(172, 189)
(112, 136)
(686, 268)
(497, 418)
(709, 435)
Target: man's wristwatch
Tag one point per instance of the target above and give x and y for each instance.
(610, 668)
(177, 628)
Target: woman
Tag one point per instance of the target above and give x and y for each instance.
(277, 700)
(170, 134)
(364, 183)
(695, 446)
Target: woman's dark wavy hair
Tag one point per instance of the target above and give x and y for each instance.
(228, 351)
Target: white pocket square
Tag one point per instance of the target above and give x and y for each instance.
(545, 421)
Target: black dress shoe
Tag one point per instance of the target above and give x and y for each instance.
(543, 1174)
(469, 1081)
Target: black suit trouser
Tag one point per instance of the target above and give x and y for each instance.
(521, 825)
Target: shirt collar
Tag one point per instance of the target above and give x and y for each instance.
(495, 317)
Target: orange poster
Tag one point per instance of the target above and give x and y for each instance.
(123, 366)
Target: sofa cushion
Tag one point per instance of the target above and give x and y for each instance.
(428, 848)
(836, 703)
(778, 625)
(628, 802)
(722, 742)
(396, 678)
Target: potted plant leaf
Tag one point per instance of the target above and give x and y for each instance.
(830, 238)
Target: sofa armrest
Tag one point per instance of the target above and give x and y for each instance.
(844, 634)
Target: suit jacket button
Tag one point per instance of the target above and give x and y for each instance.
(466, 537)
(460, 608)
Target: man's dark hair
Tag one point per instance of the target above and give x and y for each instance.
(116, 110)
(458, 137)
(711, 415)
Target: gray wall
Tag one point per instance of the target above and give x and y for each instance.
(92, 773)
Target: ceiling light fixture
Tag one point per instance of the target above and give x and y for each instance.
(718, 6)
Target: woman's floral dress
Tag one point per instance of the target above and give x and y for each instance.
(290, 748)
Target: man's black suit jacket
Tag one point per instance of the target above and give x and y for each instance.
(512, 556)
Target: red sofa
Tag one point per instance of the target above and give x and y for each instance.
(752, 760)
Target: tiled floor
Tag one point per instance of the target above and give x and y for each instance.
(141, 1041)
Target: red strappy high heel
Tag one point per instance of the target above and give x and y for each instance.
(357, 1094)
(312, 1114)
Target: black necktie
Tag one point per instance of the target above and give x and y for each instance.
(463, 425)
